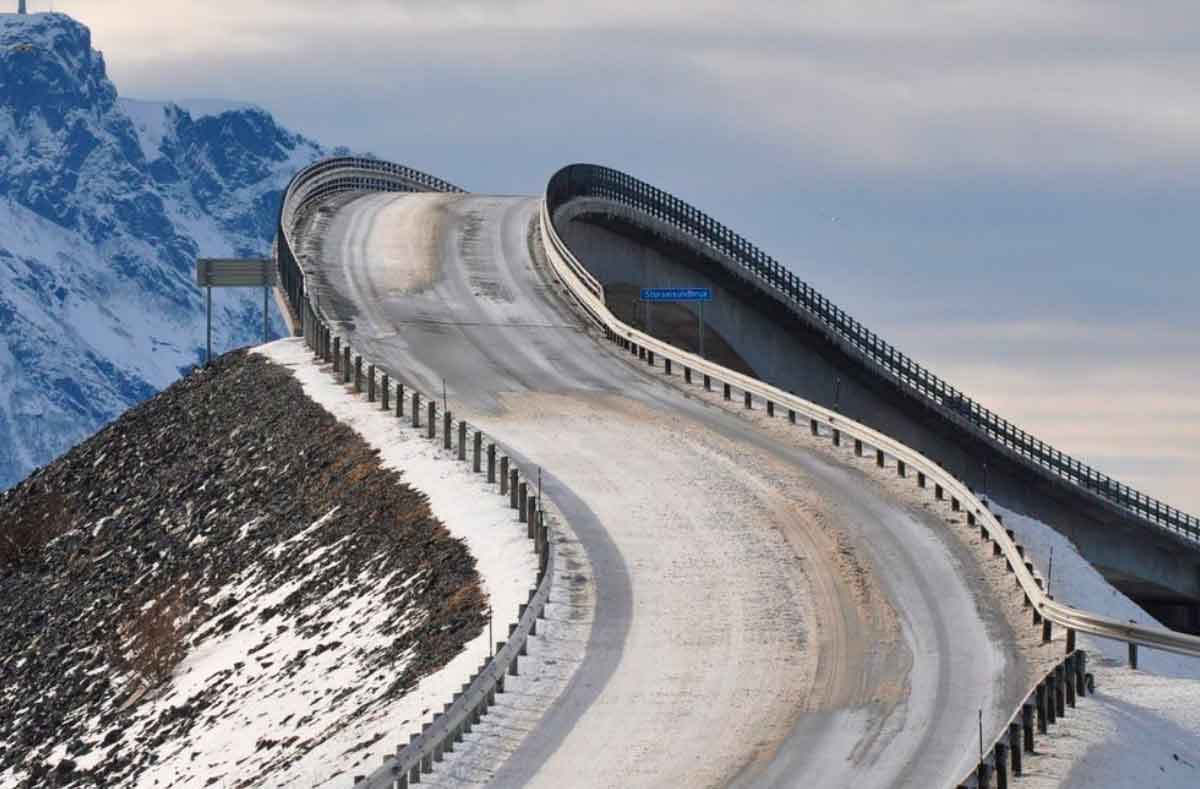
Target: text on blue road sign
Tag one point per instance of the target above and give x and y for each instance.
(676, 294)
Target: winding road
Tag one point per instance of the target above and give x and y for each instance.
(765, 616)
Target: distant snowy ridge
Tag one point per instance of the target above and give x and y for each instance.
(105, 203)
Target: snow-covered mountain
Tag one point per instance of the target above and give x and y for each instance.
(105, 203)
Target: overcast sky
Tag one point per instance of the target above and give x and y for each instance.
(1008, 190)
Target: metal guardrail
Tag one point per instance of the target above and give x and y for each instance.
(309, 187)
(589, 294)
(588, 180)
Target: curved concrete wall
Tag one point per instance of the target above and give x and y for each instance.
(620, 247)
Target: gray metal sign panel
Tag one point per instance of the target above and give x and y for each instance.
(226, 273)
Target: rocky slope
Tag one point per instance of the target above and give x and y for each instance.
(226, 560)
(105, 203)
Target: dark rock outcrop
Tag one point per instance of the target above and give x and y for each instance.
(110, 558)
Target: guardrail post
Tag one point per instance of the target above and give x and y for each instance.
(920, 479)
(1069, 679)
(1051, 698)
(522, 502)
(687, 374)
(792, 415)
(858, 447)
(1047, 631)
(837, 437)
(1060, 696)
(531, 516)
(346, 364)
(491, 455)
(370, 383)
(1043, 707)
(1001, 760)
(666, 366)
(477, 452)
(1070, 640)
(512, 488)
(650, 358)
(337, 354)
(431, 419)
(1080, 671)
(728, 392)
(879, 458)
(747, 398)
(707, 384)
(358, 374)
(1133, 656)
(938, 493)
(770, 408)
(385, 388)
(983, 775)
(1027, 725)
(901, 469)
(1014, 747)
(462, 440)
(503, 475)
(813, 427)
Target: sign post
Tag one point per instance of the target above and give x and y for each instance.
(699, 295)
(224, 273)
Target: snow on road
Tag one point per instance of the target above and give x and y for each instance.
(1141, 729)
(761, 614)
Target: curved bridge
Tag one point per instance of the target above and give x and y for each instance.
(763, 613)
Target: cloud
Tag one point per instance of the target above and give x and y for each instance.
(946, 88)
(1006, 190)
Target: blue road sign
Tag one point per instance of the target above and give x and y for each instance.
(676, 294)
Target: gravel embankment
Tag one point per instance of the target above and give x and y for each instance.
(230, 506)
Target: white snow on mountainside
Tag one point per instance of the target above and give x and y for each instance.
(105, 204)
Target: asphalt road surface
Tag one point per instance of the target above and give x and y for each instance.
(764, 616)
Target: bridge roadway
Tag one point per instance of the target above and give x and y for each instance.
(764, 616)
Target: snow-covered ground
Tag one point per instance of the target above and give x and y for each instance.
(469, 508)
(1141, 729)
